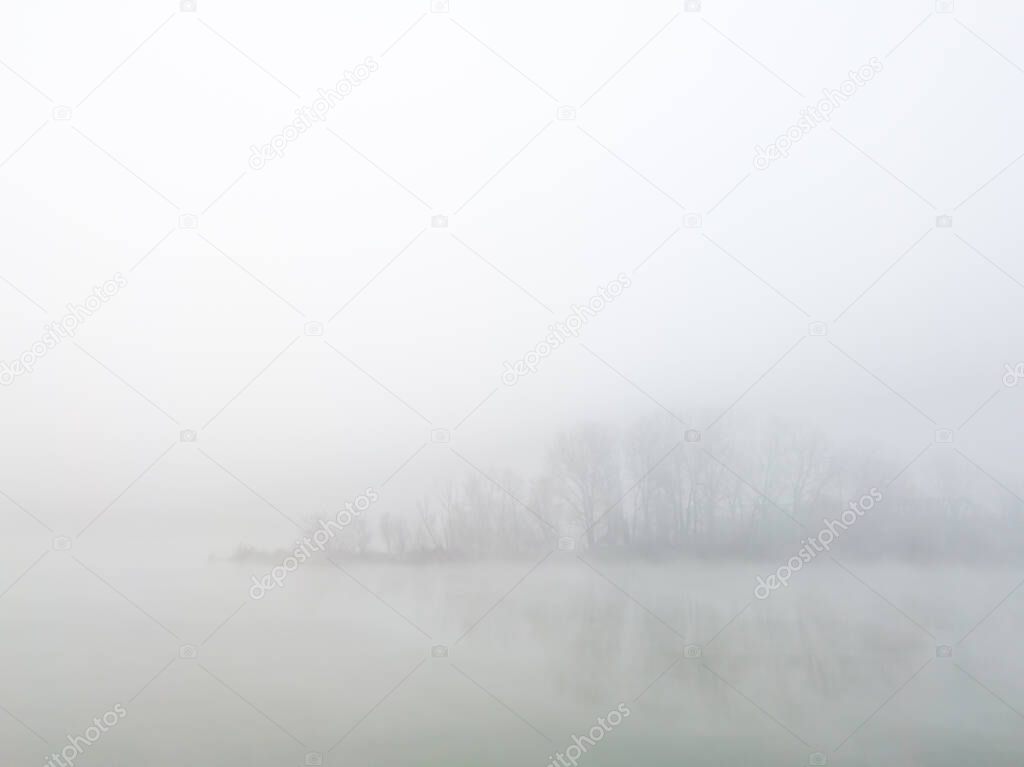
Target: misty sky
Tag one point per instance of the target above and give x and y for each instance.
(461, 118)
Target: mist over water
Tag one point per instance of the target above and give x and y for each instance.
(563, 648)
(554, 384)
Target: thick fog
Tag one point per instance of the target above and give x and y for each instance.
(443, 382)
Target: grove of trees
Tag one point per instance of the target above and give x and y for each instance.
(656, 490)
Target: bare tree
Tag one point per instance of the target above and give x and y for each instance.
(586, 460)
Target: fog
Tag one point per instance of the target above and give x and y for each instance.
(457, 382)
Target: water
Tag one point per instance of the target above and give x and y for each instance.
(344, 663)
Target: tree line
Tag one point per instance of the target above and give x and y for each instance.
(654, 489)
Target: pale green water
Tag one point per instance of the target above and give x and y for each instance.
(321, 657)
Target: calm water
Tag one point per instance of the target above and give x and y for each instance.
(324, 665)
